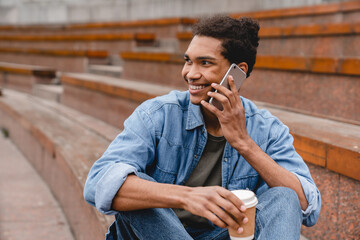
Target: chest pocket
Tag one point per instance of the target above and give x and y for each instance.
(246, 182)
(163, 176)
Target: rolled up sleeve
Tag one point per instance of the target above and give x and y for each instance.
(130, 152)
(109, 184)
(312, 194)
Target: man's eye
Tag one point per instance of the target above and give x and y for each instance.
(205, 63)
(187, 60)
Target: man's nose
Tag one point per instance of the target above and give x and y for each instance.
(193, 73)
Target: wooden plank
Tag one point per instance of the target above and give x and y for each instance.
(59, 52)
(78, 37)
(350, 66)
(25, 69)
(344, 161)
(311, 150)
(281, 63)
(345, 66)
(146, 56)
(136, 23)
(314, 30)
(147, 37)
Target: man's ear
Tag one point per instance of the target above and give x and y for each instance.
(243, 66)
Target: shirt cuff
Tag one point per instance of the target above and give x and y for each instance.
(109, 185)
(311, 213)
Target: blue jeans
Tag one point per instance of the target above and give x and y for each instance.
(278, 216)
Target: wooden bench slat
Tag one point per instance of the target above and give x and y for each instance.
(149, 56)
(346, 66)
(25, 69)
(64, 52)
(78, 37)
(115, 87)
(136, 23)
(298, 31)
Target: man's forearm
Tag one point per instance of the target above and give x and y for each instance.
(137, 193)
(273, 174)
(212, 202)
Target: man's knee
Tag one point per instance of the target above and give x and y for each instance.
(278, 211)
(284, 192)
(285, 202)
(283, 199)
(286, 195)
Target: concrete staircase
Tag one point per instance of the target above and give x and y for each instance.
(306, 74)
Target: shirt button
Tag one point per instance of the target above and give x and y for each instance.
(225, 159)
(195, 156)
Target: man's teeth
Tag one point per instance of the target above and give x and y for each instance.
(193, 87)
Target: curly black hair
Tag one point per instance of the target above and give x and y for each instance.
(239, 37)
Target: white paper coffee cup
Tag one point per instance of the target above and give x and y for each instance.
(250, 201)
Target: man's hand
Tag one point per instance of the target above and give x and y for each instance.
(218, 205)
(232, 117)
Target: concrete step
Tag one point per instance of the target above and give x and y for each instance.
(28, 208)
(50, 136)
(106, 70)
(60, 59)
(48, 92)
(170, 45)
(23, 77)
(109, 99)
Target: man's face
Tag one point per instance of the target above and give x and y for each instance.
(204, 65)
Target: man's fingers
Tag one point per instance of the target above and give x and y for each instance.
(227, 97)
(221, 218)
(234, 200)
(215, 220)
(211, 108)
(234, 89)
(234, 206)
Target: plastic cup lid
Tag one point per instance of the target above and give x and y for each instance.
(247, 197)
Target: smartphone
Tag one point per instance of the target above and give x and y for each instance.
(239, 76)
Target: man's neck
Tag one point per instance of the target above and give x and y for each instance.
(212, 123)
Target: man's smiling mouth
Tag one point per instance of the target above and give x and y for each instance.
(197, 87)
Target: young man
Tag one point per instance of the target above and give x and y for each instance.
(168, 175)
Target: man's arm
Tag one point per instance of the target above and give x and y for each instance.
(273, 174)
(233, 125)
(213, 203)
(137, 193)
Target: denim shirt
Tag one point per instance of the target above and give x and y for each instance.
(165, 137)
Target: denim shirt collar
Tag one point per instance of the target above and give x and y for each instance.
(194, 117)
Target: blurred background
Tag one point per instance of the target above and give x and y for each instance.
(74, 11)
(72, 71)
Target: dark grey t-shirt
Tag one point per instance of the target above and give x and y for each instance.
(206, 173)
